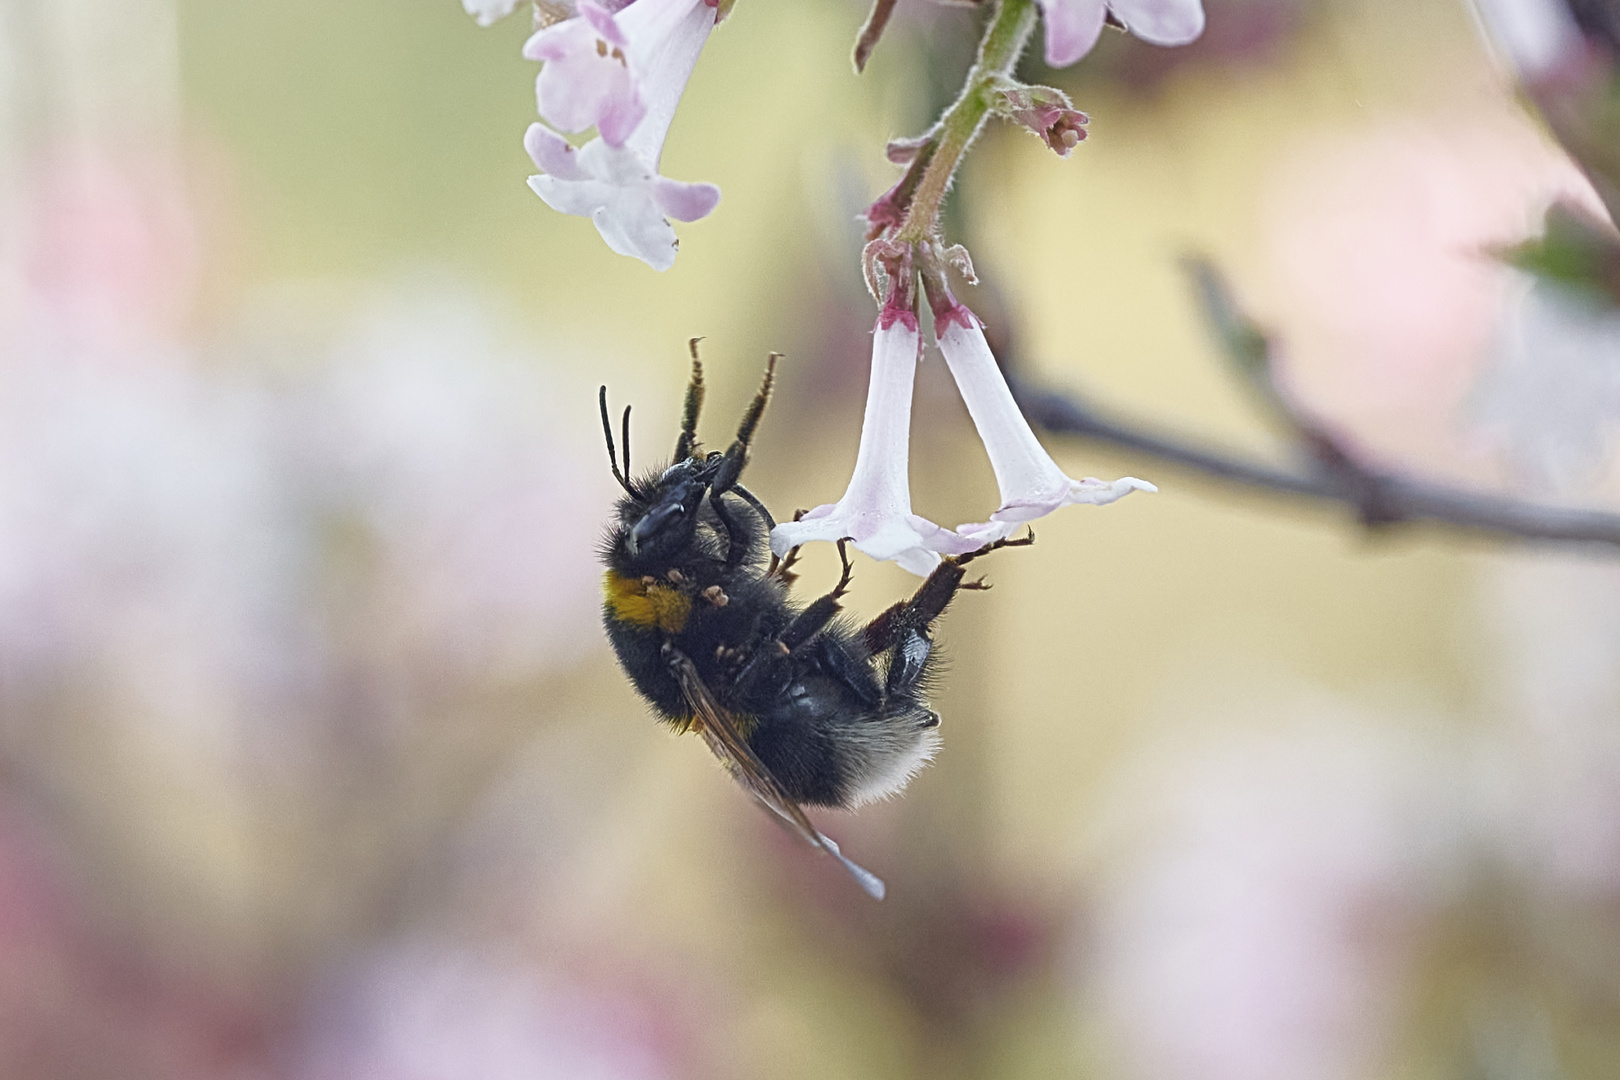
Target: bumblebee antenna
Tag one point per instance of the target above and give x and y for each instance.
(687, 443)
(756, 408)
(607, 433)
(625, 427)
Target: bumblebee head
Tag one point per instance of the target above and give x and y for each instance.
(663, 522)
(659, 517)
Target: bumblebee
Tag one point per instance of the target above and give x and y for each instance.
(801, 705)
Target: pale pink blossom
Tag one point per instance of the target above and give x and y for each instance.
(422, 1011)
(1032, 485)
(586, 81)
(875, 511)
(1073, 26)
(619, 191)
(623, 73)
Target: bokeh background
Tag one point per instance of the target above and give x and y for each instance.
(315, 765)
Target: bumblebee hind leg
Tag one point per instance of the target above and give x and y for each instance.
(807, 623)
(902, 630)
(932, 597)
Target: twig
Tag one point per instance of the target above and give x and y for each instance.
(1332, 472)
(1380, 500)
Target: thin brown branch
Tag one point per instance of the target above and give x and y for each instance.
(1379, 499)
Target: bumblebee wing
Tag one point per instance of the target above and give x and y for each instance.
(727, 743)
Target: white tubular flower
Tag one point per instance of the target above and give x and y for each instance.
(1073, 26)
(1031, 483)
(875, 511)
(623, 73)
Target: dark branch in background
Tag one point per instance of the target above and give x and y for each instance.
(1332, 473)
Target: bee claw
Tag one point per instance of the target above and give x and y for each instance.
(716, 596)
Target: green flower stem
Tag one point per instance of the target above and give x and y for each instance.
(1004, 42)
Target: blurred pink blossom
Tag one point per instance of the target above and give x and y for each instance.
(423, 1013)
(108, 252)
(1553, 766)
(1255, 926)
(1550, 397)
(1386, 285)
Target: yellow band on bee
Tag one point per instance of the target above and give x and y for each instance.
(645, 604)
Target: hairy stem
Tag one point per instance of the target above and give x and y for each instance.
(1003, 43)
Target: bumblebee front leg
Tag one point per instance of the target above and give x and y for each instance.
(805, 625)
(730, 471)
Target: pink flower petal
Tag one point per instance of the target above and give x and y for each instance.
(552, 153)
(1162, 22)
(586, 81)
(685, 202)
(601, 20)
(1072, 28)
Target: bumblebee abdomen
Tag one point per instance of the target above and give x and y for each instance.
(826, 748)
(795, 739)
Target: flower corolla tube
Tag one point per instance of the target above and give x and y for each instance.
(875, 512)
(1032, 485)
(1073, 26)
(623, 73)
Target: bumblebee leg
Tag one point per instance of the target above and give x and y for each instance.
(1023, 541)
(918, 613)
(807, 623)
(686, 446)
(782, 568)
(909, 661)
(732, 465)
(932, 597)
(838, 665)
(736, 534)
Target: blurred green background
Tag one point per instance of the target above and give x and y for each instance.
(313, 760)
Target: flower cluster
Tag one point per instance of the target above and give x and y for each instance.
(621, 72)
(875, 512)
